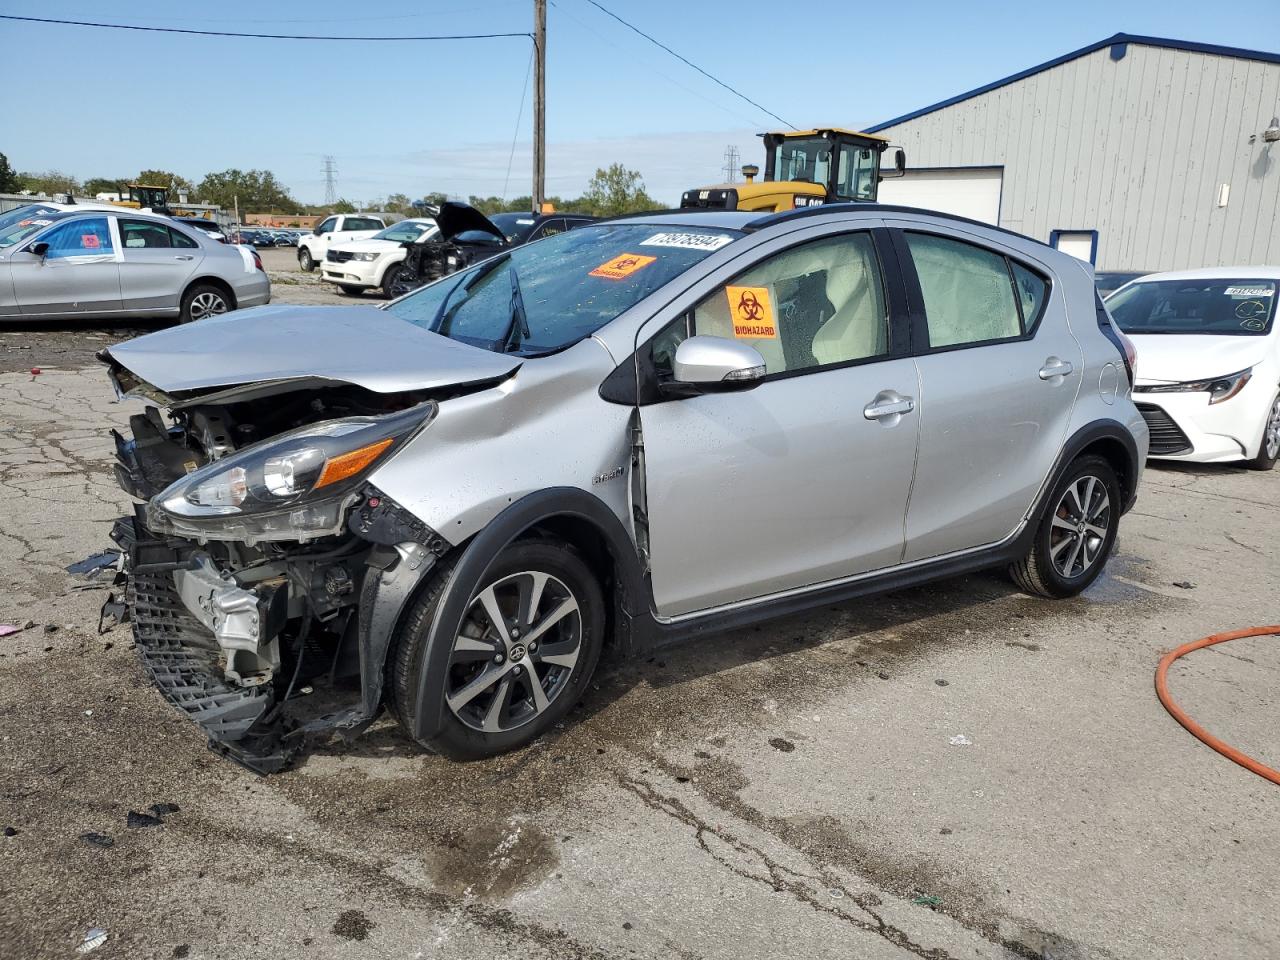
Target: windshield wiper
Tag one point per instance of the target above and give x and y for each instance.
(444, 314)
(518, 328)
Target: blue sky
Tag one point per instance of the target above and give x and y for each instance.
(416, 117)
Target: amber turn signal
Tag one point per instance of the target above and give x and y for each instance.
(349, 464)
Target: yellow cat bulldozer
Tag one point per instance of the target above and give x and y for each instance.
(147, 196)
(804, 168)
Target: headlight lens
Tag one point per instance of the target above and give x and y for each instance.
(1218, 388)
(293, 486)
(366, 257)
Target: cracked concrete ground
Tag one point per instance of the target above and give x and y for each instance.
(763, 793)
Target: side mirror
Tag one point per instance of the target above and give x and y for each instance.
(900, 161)
(714, 365)
(40, 249)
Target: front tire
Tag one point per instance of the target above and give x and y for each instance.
(521, 659)
(390, 277)
(347, 290)
(203, 300)
(305, 261)
(1269, 448)
(1076, 533)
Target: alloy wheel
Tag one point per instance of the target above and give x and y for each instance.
(1081, 521)
(1271, 437)
(515, 652)
(207, 304)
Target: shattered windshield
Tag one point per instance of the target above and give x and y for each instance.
(1224, 306)
(548, 295)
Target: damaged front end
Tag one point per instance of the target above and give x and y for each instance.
(261, 562)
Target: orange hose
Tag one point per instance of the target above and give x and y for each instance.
(1197, 731)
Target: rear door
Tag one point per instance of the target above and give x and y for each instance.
(156, 262)
(78, 274)
(999, 373)
(804, 478)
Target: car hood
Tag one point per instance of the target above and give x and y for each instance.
(286, 345)
(1177, 357)
(367, 246)
(455, 217)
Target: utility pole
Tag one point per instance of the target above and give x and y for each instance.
(730, 167)
(330, 169)
(539, 104)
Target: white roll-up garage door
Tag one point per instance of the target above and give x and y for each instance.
(972, 192)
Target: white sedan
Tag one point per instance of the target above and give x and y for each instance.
(360, 265)
(1208, 379)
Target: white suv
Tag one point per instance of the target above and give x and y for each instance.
(376, 262)
(339, 228)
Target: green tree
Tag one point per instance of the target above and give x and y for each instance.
(8, 176)
(163, 178)
(257, 191)
(343, 206)
(397, 203)
(96, 185)
(615, 190)
(49, 182)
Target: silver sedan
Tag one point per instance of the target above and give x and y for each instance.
(99, 263)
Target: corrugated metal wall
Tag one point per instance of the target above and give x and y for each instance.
(1136, 149)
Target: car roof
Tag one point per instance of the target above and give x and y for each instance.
(1259, 271)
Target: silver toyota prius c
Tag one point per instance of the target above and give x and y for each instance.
(638, 431)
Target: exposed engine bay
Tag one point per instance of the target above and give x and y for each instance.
(235, 618)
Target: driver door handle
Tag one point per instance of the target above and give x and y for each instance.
(1053, 367)
(888, 403)
(183, 256)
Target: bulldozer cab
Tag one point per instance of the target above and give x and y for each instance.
(804, 168)
(141, 196)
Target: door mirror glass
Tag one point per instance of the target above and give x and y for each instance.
(710, 364)
(40, 248)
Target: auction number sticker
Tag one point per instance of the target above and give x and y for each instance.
(90, 241)
(1250, 291)
(621, 266)
(752, 312)
(688, 241)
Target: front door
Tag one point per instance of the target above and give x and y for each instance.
(804, 478)
(156, 263)
(78, 273)
(999, 373)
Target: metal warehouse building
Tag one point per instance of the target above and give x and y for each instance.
(1134, 153)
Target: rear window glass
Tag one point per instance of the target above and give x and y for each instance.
(1220, 306)
(361, 223)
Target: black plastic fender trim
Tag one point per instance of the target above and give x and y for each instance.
(1092, 432)
(430, 710)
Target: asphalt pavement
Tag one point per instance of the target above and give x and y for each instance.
(955, 771)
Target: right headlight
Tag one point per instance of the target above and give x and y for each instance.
(1218, 388)
(366, 257)
(296, 486)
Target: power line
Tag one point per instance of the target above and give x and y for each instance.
(688, 62)
(524, 93)
(258, 36)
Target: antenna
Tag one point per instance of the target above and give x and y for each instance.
(330, 170)
(730, 167)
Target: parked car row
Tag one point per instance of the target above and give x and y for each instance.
(267, 237)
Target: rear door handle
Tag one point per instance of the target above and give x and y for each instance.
(1053, 367)
(888, 403)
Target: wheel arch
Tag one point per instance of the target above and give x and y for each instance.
(566, 513)
(212, 281)
(1110, 440)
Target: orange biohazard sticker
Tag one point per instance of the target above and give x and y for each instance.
(623, 265)
(752, 313)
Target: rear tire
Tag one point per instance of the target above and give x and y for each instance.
(551, 607)
(1269, 447)
(305, 262)
(1076, 533)
(203, 300)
